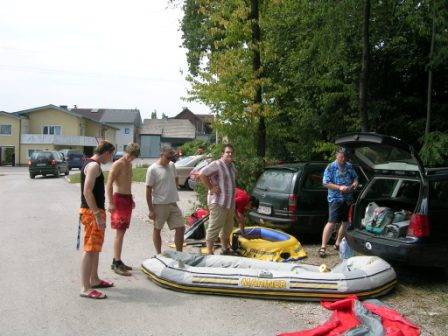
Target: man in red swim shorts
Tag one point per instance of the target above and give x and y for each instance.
(121, 203)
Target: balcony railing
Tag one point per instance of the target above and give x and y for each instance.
(71, 140)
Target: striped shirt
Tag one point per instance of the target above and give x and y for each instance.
(222, 175)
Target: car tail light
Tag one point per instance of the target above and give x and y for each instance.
(292, 203)
(419, 226)
(350, 213)
(53, 162)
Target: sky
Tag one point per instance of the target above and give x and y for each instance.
(93, 54)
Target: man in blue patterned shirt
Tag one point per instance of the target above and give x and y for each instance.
(341, 179)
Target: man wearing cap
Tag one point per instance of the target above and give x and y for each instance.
(341, 180)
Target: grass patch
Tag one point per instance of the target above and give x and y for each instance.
(139, 175)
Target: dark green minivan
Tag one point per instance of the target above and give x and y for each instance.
(292, 198)
(47, 163)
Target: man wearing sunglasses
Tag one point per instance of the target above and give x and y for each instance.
(162, 198)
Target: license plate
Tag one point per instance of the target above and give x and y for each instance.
(264, 210)
(41, 164)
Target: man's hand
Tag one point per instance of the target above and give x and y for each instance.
(111, 207)
(344, 189)
(214, 190)
(152, 214)
(100, 220)
(241, 226)
(354, 185)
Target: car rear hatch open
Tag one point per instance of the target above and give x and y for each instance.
(383, 154)
(398, 181)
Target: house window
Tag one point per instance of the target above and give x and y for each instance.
(5, 129)
(53, 130)
(127, 131)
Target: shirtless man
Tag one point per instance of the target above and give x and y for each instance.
(119, 194)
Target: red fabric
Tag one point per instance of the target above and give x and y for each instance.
(197, 215)
(242, 199)
(343, 319)
(121, 216)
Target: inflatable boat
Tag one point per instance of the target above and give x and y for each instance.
(266, 244)
(364, 276)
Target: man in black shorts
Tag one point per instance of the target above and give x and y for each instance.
(341, 179)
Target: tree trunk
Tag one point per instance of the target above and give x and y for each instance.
(256, 65)
(431, 52)
(364, 76)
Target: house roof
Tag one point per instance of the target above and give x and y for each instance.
(187, 111)
(65, 110)
(12, 115)
(117, 116)
(169, 128)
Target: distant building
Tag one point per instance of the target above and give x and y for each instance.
(48, 127)
(157, 132)
(127, 121)
(201, 122)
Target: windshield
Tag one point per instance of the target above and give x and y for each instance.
(187, 161)
(41, 155)
(386, 157)
(276, 180)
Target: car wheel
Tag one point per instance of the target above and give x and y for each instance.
(32, 176)
(187, 184)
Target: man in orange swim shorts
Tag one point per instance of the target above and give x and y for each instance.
(119, 193)
(93, 217)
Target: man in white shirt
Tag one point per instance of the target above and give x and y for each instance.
(162, 198)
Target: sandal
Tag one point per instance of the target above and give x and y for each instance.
(103, 284)
(93, 294)
(322, 252)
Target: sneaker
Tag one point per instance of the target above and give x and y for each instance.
(120, 270)
(126, 267)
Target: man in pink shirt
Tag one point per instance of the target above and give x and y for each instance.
(219, 178)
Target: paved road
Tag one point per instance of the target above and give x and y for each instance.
(39, 276)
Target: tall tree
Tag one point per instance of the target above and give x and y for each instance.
(431, 55)
(256, 67)
(154, 114)
(363, 81)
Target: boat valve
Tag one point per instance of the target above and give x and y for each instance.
(265, 274)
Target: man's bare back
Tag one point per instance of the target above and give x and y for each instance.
(122, 172)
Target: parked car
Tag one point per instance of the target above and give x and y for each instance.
(193, 178)
(74, 159)
(47, 162)
(292, 198)
(184, 166)
(117, 155)
(401, 184)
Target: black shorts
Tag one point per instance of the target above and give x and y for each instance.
(338, 211)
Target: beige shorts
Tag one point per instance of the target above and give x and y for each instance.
(220, 222)
(170, 214)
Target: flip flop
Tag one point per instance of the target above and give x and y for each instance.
(322, 252)
(104, 284)
(93, 294)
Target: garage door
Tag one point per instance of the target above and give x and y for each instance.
(150, 146)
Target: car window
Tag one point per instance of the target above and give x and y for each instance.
(403, 190)
(276, 180)
(313, 179)
(41, 155)
(438, 192)
(186, 161)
